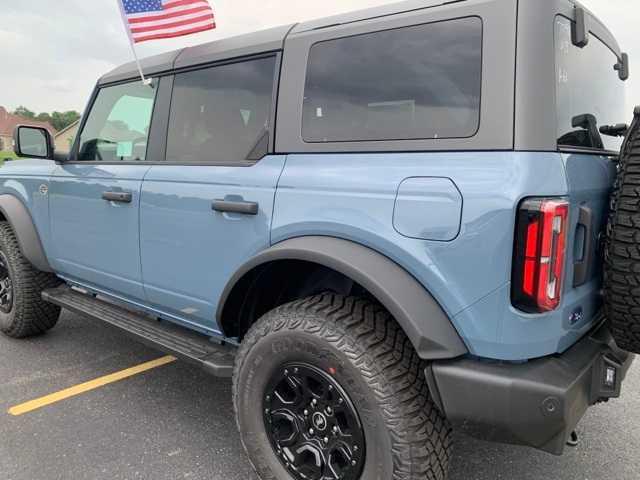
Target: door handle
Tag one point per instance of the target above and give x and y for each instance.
(121, 197)
(230, 206)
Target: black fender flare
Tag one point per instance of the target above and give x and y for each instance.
(414, 308)
(28, 239)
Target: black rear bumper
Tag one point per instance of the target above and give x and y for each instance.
(538, 403)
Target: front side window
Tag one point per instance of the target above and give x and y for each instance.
(117, 128)
(589, 93)
(419, 82)
(222, 114)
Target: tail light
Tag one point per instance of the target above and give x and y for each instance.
(539, 255)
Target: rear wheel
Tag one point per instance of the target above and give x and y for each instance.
(330, 388)
(22, 312)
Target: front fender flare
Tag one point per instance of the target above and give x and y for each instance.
(28, 239)
(414, 308)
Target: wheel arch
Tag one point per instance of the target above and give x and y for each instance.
(421, 317)
(17, 215)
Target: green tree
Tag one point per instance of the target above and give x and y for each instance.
(44, 117)
(24, 112)
(61, 120)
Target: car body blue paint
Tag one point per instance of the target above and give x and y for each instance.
(23, 179)
(189, 252)
(94, 240)
(428, 209)
(352, 196)
(170, 254)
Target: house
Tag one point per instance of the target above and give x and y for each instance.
(8, 123)
(64, 138)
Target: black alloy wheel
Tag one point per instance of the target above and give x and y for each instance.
(6, 285)
(313, 425)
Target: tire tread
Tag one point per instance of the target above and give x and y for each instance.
(622, 252)
(32, 316)
(376, 345)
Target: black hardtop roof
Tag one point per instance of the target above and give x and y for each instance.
(273, 39)
(226, 48)
(256, 42)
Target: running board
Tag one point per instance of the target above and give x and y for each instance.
(164, 335)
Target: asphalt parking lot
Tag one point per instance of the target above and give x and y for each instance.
(175, 422)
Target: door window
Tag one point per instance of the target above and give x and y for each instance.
(222, 114)
(117, 128)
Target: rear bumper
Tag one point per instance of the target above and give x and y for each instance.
(538, 403)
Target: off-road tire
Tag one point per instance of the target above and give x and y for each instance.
(622, 253)
(29, 315)
(407, 438)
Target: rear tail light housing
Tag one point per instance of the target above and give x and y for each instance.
(539, 254)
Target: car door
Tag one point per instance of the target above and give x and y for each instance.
(95, 197)
(209, 207)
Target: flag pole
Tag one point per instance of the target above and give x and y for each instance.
(145, 81)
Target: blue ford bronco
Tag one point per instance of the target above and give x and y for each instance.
(384, 225)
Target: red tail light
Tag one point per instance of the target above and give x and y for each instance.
(539, 255)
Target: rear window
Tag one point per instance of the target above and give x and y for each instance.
(419, 82)
(588, 91)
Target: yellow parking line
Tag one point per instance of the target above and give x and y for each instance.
(88, 386)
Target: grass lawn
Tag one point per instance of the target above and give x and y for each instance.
(6, 154)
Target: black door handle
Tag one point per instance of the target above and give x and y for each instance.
(121, 197)
(230, 206)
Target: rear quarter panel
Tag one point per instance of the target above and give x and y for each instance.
(352, 196)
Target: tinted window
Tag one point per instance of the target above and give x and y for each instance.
(420, 82)
(118, 126)
(589, 87)
(222, 114)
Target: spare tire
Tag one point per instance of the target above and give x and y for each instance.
(622, 254)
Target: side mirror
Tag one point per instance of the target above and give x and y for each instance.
(34, 142)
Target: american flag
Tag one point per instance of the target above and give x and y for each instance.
(154, 19)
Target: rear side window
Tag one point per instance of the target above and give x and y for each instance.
(222, 114)
(419, 82)
(117, 128)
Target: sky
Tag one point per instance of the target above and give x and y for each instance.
(51, 53)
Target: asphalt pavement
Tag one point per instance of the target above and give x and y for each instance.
(176, 422)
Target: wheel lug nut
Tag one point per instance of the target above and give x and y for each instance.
(311, 431)
(353, 462)
(329, 410)
(355, 448)
(326, 439)
(314, 402)
(335, 430)
(286, 372)
(306, 413)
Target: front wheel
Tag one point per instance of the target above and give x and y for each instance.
(22, 312)
(330, 388)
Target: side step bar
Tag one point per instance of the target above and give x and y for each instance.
(164, 335)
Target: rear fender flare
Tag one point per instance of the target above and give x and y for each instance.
(414, 308)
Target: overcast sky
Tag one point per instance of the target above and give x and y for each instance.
(51, 53)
